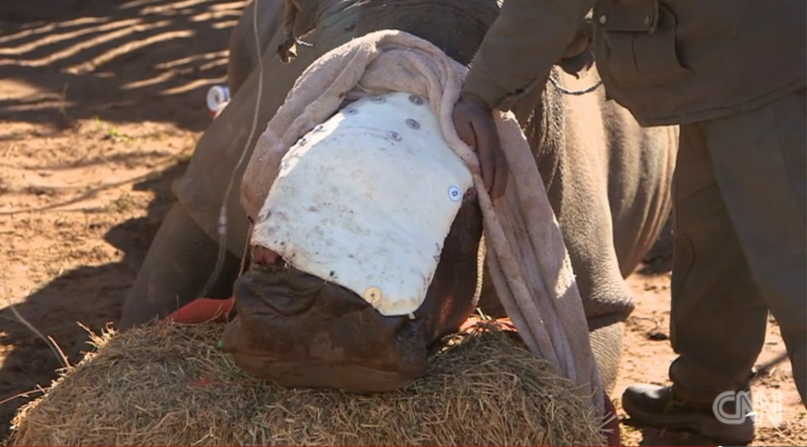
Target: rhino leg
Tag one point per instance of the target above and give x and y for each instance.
(606, 341)
(179, 263)
(606, 330)
(183, 255)
(576, 175)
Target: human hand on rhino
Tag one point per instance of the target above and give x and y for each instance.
(475, 126)
(473, 115)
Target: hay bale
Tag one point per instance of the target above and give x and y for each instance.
(170, 385)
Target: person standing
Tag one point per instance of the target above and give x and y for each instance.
(731, 73)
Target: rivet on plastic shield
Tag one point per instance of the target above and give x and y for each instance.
(415, 99)
(378, 99)
(412, 123)
(372, 295)
(319, 128)
(394, 135)
(350, 111)
(454, 194)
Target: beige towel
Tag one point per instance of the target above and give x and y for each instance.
(528, 261)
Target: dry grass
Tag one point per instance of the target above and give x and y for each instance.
(171, 385)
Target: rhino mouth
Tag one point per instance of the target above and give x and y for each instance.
(301, 331)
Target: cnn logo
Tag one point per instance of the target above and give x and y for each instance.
(764, 405)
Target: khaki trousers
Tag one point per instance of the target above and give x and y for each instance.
(740, 244)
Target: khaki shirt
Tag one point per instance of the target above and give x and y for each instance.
(667, 61)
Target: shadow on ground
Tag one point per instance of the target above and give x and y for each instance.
(91, 294)
(659, 259)
(63, 60)
(66, 65)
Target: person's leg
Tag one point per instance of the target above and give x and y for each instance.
(760, 161)
(718, 317)
(748, 205)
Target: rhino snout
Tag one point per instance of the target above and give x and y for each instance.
(302, 331)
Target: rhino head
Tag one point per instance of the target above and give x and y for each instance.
(364, 253)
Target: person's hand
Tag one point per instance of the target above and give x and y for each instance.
(475, 126)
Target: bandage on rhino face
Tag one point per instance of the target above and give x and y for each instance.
(366, 199)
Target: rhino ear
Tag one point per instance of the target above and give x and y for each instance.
(579, 55)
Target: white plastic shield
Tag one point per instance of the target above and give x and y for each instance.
(366, 200)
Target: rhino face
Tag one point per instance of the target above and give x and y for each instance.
(364, 253)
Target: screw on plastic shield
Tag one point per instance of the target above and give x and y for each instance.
(372, 295)
(416, 100)
(454, 194)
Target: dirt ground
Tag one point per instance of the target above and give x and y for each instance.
(101, 104)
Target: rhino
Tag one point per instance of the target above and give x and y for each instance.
(611, 197)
